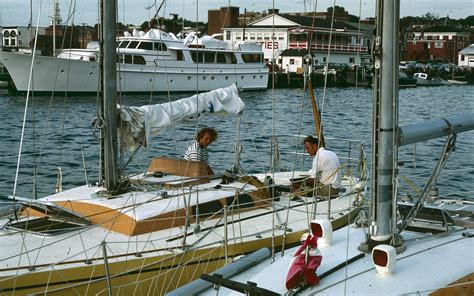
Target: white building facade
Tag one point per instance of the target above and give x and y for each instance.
(277, 32)
(16, 37)
(466, 57)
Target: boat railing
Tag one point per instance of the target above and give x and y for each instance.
(289, 154)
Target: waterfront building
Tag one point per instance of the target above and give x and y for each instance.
(466, 57)
(15, 38)
(278, 32)
(436, 43)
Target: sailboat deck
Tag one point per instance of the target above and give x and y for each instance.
(246, 231)
(413, 274)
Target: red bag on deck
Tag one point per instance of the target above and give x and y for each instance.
(304, 264)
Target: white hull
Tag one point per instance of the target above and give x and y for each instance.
(457, 82)
(67, 75)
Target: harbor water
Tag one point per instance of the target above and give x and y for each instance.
(58, 136)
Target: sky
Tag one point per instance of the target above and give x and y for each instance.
(17, 12)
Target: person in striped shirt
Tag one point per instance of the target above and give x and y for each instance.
(197, 151)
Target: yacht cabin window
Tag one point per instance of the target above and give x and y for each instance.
(146, 45)
(179, 55)
(124, 44)
(131, 59)
(221, 58)
(133, 44)
(160, 46)
(252, 57)
(209, 57)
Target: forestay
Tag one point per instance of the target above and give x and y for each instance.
(139, 123)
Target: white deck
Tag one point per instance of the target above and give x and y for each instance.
(429, 263)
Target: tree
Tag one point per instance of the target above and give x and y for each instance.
(341, 12)
(469, 21)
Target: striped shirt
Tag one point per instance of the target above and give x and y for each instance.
(197, 153)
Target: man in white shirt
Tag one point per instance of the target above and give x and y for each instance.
(325, 175)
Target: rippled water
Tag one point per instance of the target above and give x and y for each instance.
(58, 130)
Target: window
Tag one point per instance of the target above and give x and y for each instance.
(124, 44)
(133, 44)
(438, 45)
(13, 42)
(209, 57)
(146, 45)
(128, 59)
(139, 60)
(6, 33)
(462, 58)
(221, 58)
(351, 60)
(292, 61)
(160, 46)
(46, 226)
(131, 59)
(227, 35)
(12, 33)
(252, 57)
(7, 42)
(179, 55)
(197, 56)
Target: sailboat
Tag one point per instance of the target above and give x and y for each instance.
(403, 248)
(151, 232)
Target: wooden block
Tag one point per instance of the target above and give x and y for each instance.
(178, 167)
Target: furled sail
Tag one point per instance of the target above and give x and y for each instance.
(137, 124)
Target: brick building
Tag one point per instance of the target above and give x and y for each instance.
(224, 17)
(436, 43)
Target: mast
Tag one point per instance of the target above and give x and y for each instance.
(110, 176)
(385, 118)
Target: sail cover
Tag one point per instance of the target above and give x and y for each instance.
(137, 124)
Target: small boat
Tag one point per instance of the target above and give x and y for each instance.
(152, 61)
(456, 82)
(405, 80)
(423, 79)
